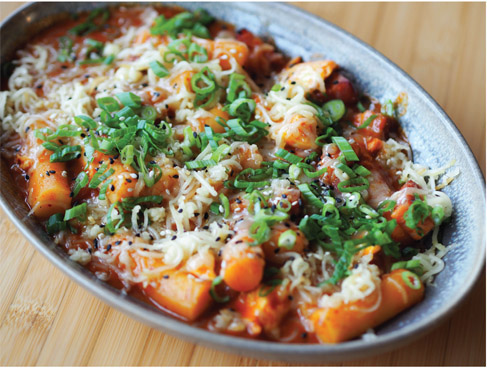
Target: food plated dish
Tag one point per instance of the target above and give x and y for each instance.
(288, 158)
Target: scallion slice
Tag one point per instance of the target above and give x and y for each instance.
(367, 122)
(158, 69)
(129, 99)
(288, 156)
(353, 185)
(199, 164)
(217, 281)
(78, 212)
(287, 239)
(336, 109)
(346, 148)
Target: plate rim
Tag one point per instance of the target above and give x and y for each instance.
(258, 348)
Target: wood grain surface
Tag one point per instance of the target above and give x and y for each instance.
(46, 319)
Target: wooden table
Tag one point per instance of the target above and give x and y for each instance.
(45, 319)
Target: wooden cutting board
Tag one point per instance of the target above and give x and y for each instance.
(46, 319)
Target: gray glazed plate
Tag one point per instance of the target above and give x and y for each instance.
(432, 134)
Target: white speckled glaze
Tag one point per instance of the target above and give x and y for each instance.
(432, 134)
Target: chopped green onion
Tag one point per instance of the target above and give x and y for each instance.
(314, 174)
(308, 194)
(158, 69)
(109, 104)
(367, 122)
(199, 164)
(197, 53)
(81, 181)
(353, 185)
(237, 88)
(386, 206)
(66, 153)
(336, 109)
(269, 287)
(100, 176)
(78, 212)
(411, 280)
(287, 239)
(226, 205)
(110, 225)
(56, 223)
(346, 148)
(149, 113)
(129, 99)
(217, 281)
(288, 156)
(260, 232)
(362, 171)
(103, 190)
(276, 87)
(437, 214)
(361, 107)
(215, 208)
(347, 170)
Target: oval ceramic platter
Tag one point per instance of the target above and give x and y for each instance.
(433, 136)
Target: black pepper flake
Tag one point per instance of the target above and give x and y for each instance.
(87, 75)
(111, 160)
(238, 200)
(71, 194)
(39, 86)
(118, 242)
(78, 155)
(102, 225)
(287, 224)
(273, 208)
(174, 237)
(239, 241)
(338, 200)
(293, 82)
(27, 177)
(83, 135)
(152, 162)
(219, 254)
(300, 202)
(284, 196)
(109, 246)
(112, 188)
(175, 176)
(206, 215)
(116, 156)
(180, 210)
(128, 180)
(64, 67)
(27, 129)
(131, 242)
(288, 98)
(304, 335)
(218, 239)
(290, 297)
(52, 171)
(90, 250)
(100, 162)
(165, 276)
(95, 243)
(137, 235)
(277, 250)
(206, 227)
(145, 84)
(196, 214)
(47, 173)
(195, 135)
